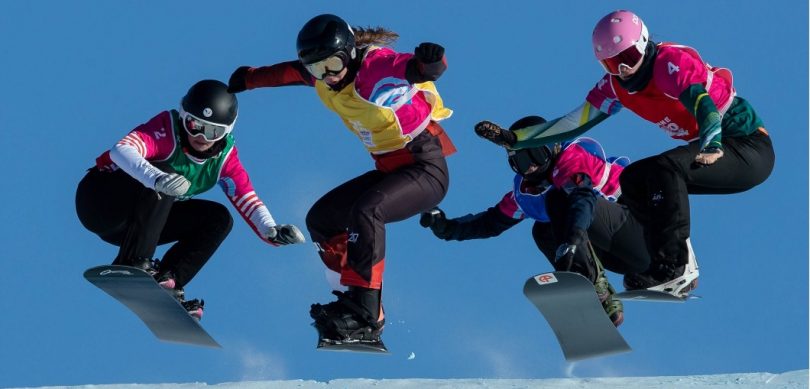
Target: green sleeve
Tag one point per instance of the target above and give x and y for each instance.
(561, 129)
(697, 101)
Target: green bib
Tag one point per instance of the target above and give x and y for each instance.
(204, 174)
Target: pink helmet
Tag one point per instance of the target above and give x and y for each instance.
(620, 38)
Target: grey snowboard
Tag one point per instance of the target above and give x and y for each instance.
(569, 303)
(163, 314)
(652, 296)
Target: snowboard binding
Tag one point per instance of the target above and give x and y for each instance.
(345, 325)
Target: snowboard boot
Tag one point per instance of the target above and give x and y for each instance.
(168, 281)
(194, 308)
(677, 280)
(148, 265)
(612, 305)
(355, 316)
(607, 295)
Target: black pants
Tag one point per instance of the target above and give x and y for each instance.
(348, 222)
(121, 211)
(615, 235)
(656, 188)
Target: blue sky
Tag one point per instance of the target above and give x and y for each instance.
(78, 76)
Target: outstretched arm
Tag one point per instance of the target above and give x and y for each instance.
(561, 129)
(280, 74)
(570, 126)
(482, 225)
(600, 103)
(236, 184)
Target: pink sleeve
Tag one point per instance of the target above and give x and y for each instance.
(150, 141)
(509, 207)
(388, 58)
(378, 65)
(603, 97)
(676, 70)
(236, 184)
(154, 139)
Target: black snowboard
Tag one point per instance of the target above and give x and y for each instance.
(653, 296)
(569, 303)
(161, 312)
(360, 346)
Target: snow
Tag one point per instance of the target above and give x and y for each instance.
(791, 379)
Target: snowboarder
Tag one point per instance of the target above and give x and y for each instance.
(569, 190)
(728, 150)
(139, 193)
(388, 100)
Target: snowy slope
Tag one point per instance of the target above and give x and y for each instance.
(792, 379)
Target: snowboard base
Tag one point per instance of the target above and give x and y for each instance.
(162, 313)
(569, 304)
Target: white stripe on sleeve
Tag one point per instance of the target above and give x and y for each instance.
(127, 157)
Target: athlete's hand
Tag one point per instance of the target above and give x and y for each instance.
(237, 82)
(428, 52)
(437, 222)
(172, 184)
(709, 155)
(284, 234)
(495, 134)
(564, 258)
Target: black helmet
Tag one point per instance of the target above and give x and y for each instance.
(210, 100)
(522, 160)
(324, 36)
(208, 109)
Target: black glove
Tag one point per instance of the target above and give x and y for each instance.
(428, 52)
(432, 217)
(569, 259)
(437, 222)
(495, 134)
(564, 258)
(237, 81)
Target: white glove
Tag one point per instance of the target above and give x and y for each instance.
(284, 234)
(172, 184)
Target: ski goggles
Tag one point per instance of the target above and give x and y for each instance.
(629, 57)
(211, 132)
(331, 66)
(522, 161)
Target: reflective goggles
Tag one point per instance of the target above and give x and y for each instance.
(211, 132)
(630, 57)
(331, 66)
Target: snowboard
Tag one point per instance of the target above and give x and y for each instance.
(161, 312)
(360, 346)
(653, 296)
(569, 304)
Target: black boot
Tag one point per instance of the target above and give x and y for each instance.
(148, 265)
(356, 315)
(194, 307)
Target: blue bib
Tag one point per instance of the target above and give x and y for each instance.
(532, 205)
